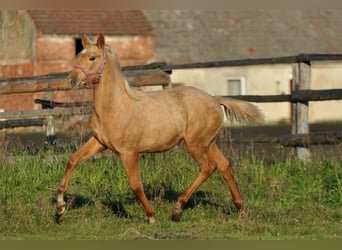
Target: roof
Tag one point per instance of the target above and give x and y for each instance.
(112, 22)
(186, 36)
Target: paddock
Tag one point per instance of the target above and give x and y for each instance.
(305, 197)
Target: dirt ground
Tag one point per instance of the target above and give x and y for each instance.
(268, 151)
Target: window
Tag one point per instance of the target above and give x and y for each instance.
(236, 86)
(78, 45)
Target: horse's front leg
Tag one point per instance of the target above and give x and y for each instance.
(89, 149)
(130, 162)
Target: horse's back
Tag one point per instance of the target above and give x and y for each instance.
(197, 102)
(203, 115)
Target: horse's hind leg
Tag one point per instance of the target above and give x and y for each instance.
(224, 169)
(207, 167)
(89, 149)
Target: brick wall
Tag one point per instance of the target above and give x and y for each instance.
(26, 51)
(136, 50)
(56, 54)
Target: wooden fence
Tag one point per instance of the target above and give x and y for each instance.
(158, 74)
(137, 76)
(300, 97)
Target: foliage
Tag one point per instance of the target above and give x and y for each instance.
(285, 200)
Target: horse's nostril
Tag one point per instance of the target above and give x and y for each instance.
(71, 81)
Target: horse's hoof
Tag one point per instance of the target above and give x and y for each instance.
(177, 214)
(151, 220)
(57, 219)
(243, 213)
(61, 209)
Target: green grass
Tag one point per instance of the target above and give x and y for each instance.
(285, 200)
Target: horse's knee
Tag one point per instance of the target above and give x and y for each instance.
(137, 189)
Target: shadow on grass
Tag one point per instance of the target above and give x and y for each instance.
(117, 208)
(75, 202)
(199, 198)
(203, 198)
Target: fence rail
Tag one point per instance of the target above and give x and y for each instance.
(136, 76)
(83, 108)
(300, 140)
(296, 96)
(79, 108)
(21, 123)
(258, 61)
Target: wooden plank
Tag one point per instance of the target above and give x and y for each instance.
(316, 95)
(150, 77)
(257, 61)
(44, 113)
(305, 140)
(304, 95)
(21, 123)
(300, 140)
(57, 82)
(263, 98)
(53, 104)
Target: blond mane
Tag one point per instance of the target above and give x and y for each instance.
(135, 95)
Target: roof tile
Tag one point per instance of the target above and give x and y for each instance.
(112, 22)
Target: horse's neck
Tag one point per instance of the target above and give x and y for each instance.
(113, 89)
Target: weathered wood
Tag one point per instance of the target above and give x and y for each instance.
(149, 77)
(300, 140)
(153, 65)
(21, 123)
(44, 113)
(57, 82)
(264, 98)
(50, 120)
(257, 61)
(305, 140)
(304, 95)
(298, 96)
(53, 104)
(300, 110)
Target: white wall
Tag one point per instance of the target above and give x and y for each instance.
(270, 80)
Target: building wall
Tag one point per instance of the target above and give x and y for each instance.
(132, 50)
(53, 54)
(26, 52)
(16, 44)
(17, 53)
(269, 80)
(326, 75)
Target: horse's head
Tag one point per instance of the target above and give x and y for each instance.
(89, 63)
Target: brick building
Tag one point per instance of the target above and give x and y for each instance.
(39, 42)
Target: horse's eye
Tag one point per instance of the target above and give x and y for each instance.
(92, 58)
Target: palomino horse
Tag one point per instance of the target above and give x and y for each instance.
(129, 122)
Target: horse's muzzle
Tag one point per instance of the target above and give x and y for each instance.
(76, 82)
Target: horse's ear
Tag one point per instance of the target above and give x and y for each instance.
(100, 41)
(85, 41)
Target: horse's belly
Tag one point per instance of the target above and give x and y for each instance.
(160, 140)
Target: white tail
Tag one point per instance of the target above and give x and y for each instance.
(241, 111)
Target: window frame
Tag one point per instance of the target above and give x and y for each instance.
(242, 83)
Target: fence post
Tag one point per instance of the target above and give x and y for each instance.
(300, 110)
(50, 138)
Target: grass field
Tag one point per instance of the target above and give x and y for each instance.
(285, 200)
